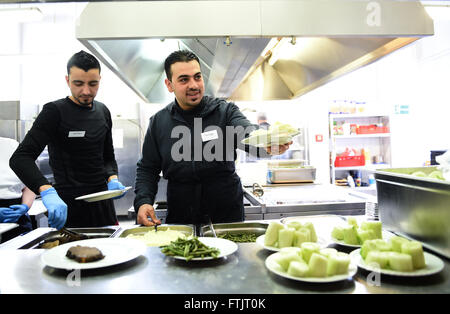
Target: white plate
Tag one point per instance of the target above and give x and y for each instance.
(433, 265)
(226, 247)
(103, 195)
(270, 264)
(260, 241)
(115, 250)
(261, 139)
(385, 234)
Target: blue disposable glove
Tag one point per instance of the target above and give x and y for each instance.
(13, 213)
(115, 184)
(57, 209)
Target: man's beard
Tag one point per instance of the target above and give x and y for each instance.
(87, 103)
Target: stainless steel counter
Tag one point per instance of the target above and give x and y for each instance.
(244, 272)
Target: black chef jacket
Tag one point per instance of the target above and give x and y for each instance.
(81, 156)
(197, 186)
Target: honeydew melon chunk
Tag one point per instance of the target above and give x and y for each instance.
(302, 235)
(298, 269)
(350, 235)
(308, 248)
(414, 249)
(400, 261)
(285, 237)
(271, 236)
(382, 245)
(368, 246)
(419, 174)
(373, 225)
(276, 266)
(364, 235)
(327, 252)
(396, 243)
(338, 233)
(291, 249)
(294, 224)
(436, 174)
(310, 226)
(377, 259)
(318, 265)
(338, 264)
(352, 221)
(284, 259)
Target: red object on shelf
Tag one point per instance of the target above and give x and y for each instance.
(371, 129)
(349, 161)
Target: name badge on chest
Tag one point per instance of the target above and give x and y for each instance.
(210, 135)
(77, 133)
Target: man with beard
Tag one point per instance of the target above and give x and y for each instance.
(200, 189)
(77, 130)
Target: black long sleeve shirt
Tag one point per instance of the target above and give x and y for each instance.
(160, 145)
(80, 147)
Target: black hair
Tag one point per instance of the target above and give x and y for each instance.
(178, 56)
(84, 61)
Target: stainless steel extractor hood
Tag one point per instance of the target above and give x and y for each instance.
(240, 42)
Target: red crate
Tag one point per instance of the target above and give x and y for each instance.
(350, 161)
(371, 129)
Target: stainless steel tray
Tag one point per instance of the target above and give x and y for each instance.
(416, 207)
(291, 175)
(91, 233)
(257, 228)
(186, 229)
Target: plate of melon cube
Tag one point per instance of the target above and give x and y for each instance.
(293, 234)
(354, 235)
(398, 256)
(311, 263)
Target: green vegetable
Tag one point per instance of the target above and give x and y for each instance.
(239, 237)
(189, 249)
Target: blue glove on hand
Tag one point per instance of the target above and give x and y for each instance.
(13, 213)
(115, 184)
(57, 209)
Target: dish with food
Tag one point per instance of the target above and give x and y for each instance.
(115, 251)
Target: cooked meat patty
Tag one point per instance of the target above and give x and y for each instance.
(84, 254)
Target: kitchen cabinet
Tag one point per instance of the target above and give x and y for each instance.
(359, 144)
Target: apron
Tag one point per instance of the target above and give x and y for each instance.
(87, 214)
(195, 202)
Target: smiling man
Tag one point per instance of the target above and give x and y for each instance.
(77, 130)
(199, 188)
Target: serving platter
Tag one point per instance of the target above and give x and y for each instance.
(103, 195)
(273, 266)
(433, 266)
(226, 247)
(115, 250)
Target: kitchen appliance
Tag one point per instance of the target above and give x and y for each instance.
(248, 50)
(416, 207)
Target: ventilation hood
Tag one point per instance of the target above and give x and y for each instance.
(249, 50)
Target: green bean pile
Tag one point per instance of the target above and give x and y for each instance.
(189, 249)
(239, 237)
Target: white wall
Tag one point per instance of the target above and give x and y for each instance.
(33, 58)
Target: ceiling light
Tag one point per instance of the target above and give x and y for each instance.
(20, 15)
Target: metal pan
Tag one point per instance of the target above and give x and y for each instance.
(91, 233)
(257, 228)
(186, 229)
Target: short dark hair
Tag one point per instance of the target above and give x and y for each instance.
(84, 61)
(178, 56)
